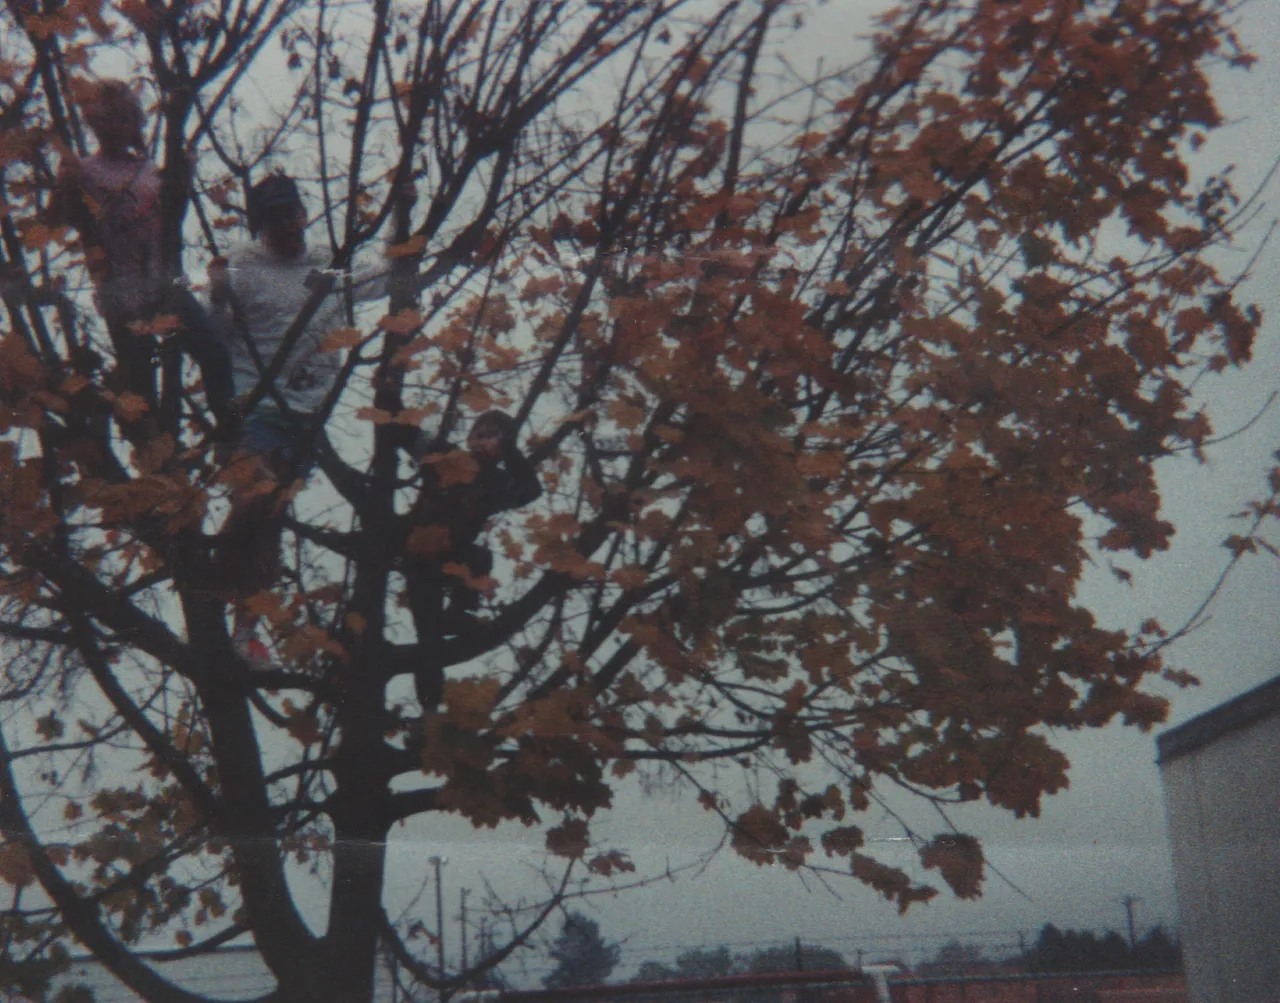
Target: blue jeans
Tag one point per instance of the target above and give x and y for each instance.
(250, 547)
(275, 435)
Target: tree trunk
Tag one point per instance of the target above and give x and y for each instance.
(360, 810)
(351, 947)
(245, 819)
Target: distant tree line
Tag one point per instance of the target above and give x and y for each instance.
(1082, 951)
(716, 962)
(583, 957)
(1058, 950)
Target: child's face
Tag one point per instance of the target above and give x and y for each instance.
(485, 440)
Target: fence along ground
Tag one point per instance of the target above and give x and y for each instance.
(853, 986)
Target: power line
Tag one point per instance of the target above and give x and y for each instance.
(854, 938)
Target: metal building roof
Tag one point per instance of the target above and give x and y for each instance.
(1246, 709)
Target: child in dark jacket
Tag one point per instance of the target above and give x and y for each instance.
(442, 577)
(456, 515)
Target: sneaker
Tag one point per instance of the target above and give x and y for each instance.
(251, 651)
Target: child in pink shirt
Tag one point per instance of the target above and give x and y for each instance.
(112, 199)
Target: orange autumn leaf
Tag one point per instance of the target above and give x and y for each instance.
(340, 338)
(410, 247)
(569, 839)
(626, 414)
(304, 728)
(455, 467)
(470, 701)
(632, 577)
(960, 860)
(269, 605)
(130, 406)
(476, 583)
(536, 288)
(412, 416)
(38, 235)
(15, 866)
(823, 463)
(758, 835)
(606, 864)
(428, 541)
(477, 397)
(403, 323)
(310, 640)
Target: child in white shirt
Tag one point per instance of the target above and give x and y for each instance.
(257, 292)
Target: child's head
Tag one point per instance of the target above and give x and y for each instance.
(490, 433)
(277, 213)
(114, 114)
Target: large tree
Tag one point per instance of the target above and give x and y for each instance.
(834, 384)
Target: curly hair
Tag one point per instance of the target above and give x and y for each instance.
(114, 100)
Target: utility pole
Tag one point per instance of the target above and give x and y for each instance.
(437, 862)
(395, 975)
(463, 930)
(799, 956)
(1128, 902)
